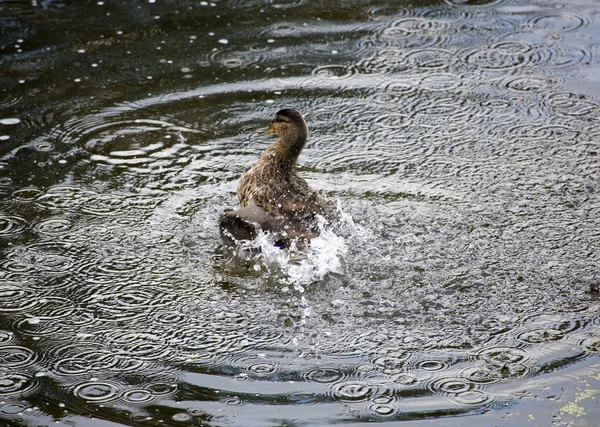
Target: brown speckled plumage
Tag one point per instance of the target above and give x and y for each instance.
(273, 195)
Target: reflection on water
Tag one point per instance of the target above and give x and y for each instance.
(459, 138)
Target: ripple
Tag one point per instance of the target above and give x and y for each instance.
(333, 72)
(556, 22)
(54, 308)
(405, 379)
(375, 120)
(451, 386)
(161, 389)
(503, 355)
(433, 365)
(53, 226)
(197, 339)
(384, 407)
(16, 384)
(353, 391)
(232, 401)
(13, 408)
(322, 375)
(440, 81)
(34, 326)
(129, 302)
(182, 417)
(300, 398)
(123, 143)
(168, 318)
(138, 396)
(501, 56)
(15, 298)
(13, 356)
(533, 133)
(263, 334)
(260, 368)
(545, 328)
(385, 61)
(11, 225)
(240, 59)
(590, 344)
(431, 59)
(532, 83)
(96, 360)
(540, 335)
(552, 321)
(102, 205)
(572, 105)
(472, 397)
(558, 56)
(389, 364)
(140, 345)
(6, 337)
(418, 32)
(286, 4)
(40, 259)
(407, 27)
(119, 264)
(447, 106)
(503, 363)
(284, 29)
(396, 92)
(473, 3)
(481, 374)
(26, 194)
(97, 391)
(62, 197)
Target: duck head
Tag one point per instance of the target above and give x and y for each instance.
(290, 126)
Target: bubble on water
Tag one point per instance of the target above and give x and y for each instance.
(433, 365)
(182, 417)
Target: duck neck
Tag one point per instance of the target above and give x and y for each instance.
(287, 150)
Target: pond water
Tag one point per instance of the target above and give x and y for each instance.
(460, 140)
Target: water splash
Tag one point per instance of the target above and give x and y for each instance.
(299, 268)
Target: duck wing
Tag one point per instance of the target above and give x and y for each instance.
(244, 224)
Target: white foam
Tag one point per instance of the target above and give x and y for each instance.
(323, 256)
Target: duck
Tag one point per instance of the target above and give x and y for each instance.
(273, 197)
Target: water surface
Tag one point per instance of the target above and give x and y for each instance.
(460, 140)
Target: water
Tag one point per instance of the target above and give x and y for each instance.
(460, 140)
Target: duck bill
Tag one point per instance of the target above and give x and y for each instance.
(265, 132)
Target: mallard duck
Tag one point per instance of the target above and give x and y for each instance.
(273, 197)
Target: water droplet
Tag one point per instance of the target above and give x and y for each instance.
(10, 121)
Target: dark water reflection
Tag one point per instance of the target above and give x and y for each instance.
(460, 138)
